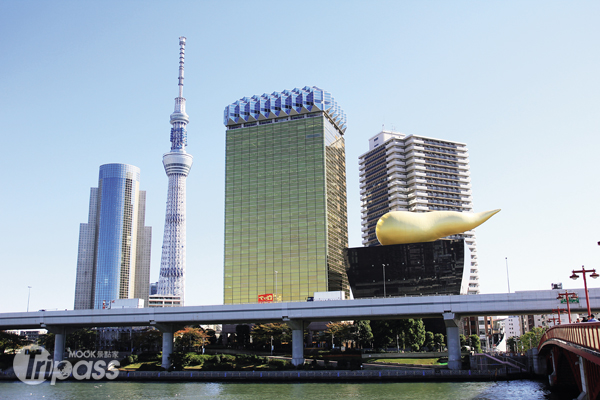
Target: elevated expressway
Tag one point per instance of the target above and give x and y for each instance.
(298, 314)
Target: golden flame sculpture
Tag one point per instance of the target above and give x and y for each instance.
(401, 227)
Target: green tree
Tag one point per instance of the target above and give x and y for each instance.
(148, 340)
(511, 342)
(190, 338)
(82, 339)
(47, 341)
(262, 334)
(438, 339)
(363, 333)
(341, 332)
(429, 341)
(475, 343)
(242, 335)
(212, 336)
(532, 338)
(404, 332)
(413, 331)
(463, 342)
(382, 334)
(10, 341)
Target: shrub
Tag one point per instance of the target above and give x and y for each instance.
(248, 359)
(279, 364)
(128, 360)
(199, 359)
(227, 358)
(226, 366)
(149, 356)
(179, 360)
(150, 367)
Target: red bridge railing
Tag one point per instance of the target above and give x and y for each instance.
(585, 334)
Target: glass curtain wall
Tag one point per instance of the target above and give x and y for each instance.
(285, 210)
(118, 189)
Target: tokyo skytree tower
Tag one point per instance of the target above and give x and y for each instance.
(177, 166)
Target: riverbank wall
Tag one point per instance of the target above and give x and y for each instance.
(438, 375)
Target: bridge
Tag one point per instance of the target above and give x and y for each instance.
(570, 355)
(298, 314)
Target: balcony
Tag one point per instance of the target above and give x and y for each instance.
(403, 203)
(397, 169)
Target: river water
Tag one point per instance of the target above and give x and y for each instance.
(73, 390)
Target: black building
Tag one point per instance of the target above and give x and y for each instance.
(415, 269)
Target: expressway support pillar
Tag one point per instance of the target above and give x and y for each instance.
(452, 321)
(167, 343)
(60, 337)
(297, 327)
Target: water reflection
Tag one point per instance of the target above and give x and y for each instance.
(72, 390)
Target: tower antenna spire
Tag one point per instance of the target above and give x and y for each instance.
(179, 119)
(177, 165)
(181, 62)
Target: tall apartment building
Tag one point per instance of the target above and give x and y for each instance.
(419, 174)
(113, 260)
(286, 223)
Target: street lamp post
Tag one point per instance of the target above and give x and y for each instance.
(384, 293)
(567, 295)
(593, 275)
(557, 312)
(507, 280)
(28, 297)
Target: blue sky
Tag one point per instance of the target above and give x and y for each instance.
(85, 83)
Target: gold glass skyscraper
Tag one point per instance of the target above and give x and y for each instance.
(285, 196)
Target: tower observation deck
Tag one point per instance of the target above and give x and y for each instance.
(177, 165)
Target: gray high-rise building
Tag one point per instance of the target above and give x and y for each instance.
(113, 260)
(419, 174)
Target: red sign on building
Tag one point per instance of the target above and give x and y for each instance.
(266, 298)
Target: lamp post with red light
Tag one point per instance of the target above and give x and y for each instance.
(593, 275)
(567, 295)
(554, 319)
